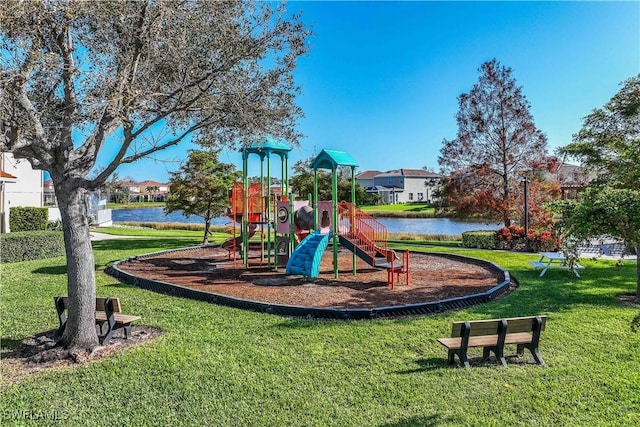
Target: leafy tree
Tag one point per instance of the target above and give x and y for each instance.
(497, 142)
(603, 211)
(301, 180)
(139, 76)
(302, 183)
(471, 193)
(150, 189)
(608, 144)
(201, 187)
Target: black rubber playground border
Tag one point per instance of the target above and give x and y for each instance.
(433, 307)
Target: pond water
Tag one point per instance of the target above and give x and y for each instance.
(394, 225)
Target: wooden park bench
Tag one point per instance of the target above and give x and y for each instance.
(108, 317)
(493, 335)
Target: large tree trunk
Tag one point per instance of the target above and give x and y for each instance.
(80, 332)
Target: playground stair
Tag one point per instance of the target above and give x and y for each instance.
(367, 238)
(364, 249)
(306, 258)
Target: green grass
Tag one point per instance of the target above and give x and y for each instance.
(400, 207)
(401, 210)
(221, 366)
(194, 234)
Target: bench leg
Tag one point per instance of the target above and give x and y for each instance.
(451, 360)
(535, 352)
(107, 337)
(127, 332)
(103, 327)
(498, 351)
(462, 355)
(536, 355)
(486, 353)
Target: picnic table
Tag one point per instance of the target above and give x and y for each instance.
(553, 260)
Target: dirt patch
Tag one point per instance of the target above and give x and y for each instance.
(431, 278)
(630, 300)
(42, 353)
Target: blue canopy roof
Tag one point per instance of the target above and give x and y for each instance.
(331, 159)
(266, 146)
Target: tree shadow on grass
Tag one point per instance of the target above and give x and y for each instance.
(425, 365)
(9, 344)
(58, 270)
(560, 290)
(165, 243)
(52, 270)
(118, 285)
(423, 420)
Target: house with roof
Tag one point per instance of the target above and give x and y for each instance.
(401, 185)
(5, 178)
(49, 193)
(143, 191)
(571, 179)
(20, 185)
(153, 191)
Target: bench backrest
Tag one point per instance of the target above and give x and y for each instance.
(101, 304)
(490, 326)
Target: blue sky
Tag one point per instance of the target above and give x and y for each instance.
(382, 78)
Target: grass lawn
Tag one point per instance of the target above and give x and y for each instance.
(401, 210)
(221, 366)
(192, 234)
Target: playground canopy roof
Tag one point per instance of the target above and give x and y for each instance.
(266, 146)
(331, 159)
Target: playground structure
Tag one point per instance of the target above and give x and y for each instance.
(299, 232)
(253, 205)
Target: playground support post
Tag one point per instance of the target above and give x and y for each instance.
(267, 211)
(353, 214)
(262, 209)
(334, 197)
(245, 220)
(291, 224)
(315, 199)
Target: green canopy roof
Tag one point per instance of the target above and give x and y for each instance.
(266, 146)
(331, 159)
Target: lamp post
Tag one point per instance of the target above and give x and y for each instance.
(526, 209)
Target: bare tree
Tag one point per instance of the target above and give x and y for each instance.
(142, 76)
(497, 141)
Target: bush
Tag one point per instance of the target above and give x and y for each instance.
(479, 239)
(54, 225)
(28, 245)
(28, 218)
(513, 238)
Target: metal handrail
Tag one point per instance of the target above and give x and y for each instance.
(355, 224)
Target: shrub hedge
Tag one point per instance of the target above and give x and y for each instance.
(513, 238)
(26, 218)
(479, 239)
(29, 245)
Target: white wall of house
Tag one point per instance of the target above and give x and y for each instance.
(27, 190)
(414, 190)
(406, 186)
